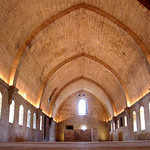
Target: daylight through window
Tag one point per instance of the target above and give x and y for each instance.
(82, 107)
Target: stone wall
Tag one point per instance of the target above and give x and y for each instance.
(53, 131)
(102, 127)
(95, 118)
(13, 131)
(95, 109)
(77, 135)
(126, 132)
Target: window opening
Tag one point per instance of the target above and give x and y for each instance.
(11, 112)
(125, 121)
(28, 118)
(134, 122)
(83, 127)
(21, 112)
(34, 121)
(142, 118)
(40, 122)
(82, 107)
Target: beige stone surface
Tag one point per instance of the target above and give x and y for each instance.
(40, 39)
(95, 119)
(78, 146)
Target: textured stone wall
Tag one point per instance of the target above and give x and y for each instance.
(126, 132)
(95, 109)
(77, 135)
(53, 131)
(13, 131)
(47, 122)
(102, 127)
(95, 117)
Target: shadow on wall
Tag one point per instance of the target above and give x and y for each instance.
(120, 136)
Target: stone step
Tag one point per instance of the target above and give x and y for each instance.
(132, 145)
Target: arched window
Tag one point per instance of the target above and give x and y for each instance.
(83, 127)
(111, 128)
(40, 122)
(34, 121)
(142, 118)
(134, 122)
(28, 118)
(11, 112)
(125, 121)
(82, 107)
(114, 126)
(0, 105)
(21, 113)
(118, 124)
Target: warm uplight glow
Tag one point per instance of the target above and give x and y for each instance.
(24, 95)
(128, 104)
(37, 106)
(137, 99)
(55, 120)
(5, 80)
(11, 82)
(45, 113)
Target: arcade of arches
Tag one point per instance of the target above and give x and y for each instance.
(75, 71)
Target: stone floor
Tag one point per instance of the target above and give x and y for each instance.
(132, 145)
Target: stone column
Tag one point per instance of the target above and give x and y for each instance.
(52, 131)
(129, 122)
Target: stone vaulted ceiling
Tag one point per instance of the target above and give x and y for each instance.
(52, 49)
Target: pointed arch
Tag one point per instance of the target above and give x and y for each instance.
(111, 102)
(52, 72)
(23, 48)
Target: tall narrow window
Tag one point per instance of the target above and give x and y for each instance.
(40, 122)
(21, 113)
(111, 128)
(34, 121)
(118, 124)
(125, 121)
(142, 118)
(134, 122)
(11, 112)
(114, 126)
(0, 105)
(82, 107)
(28, 118)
